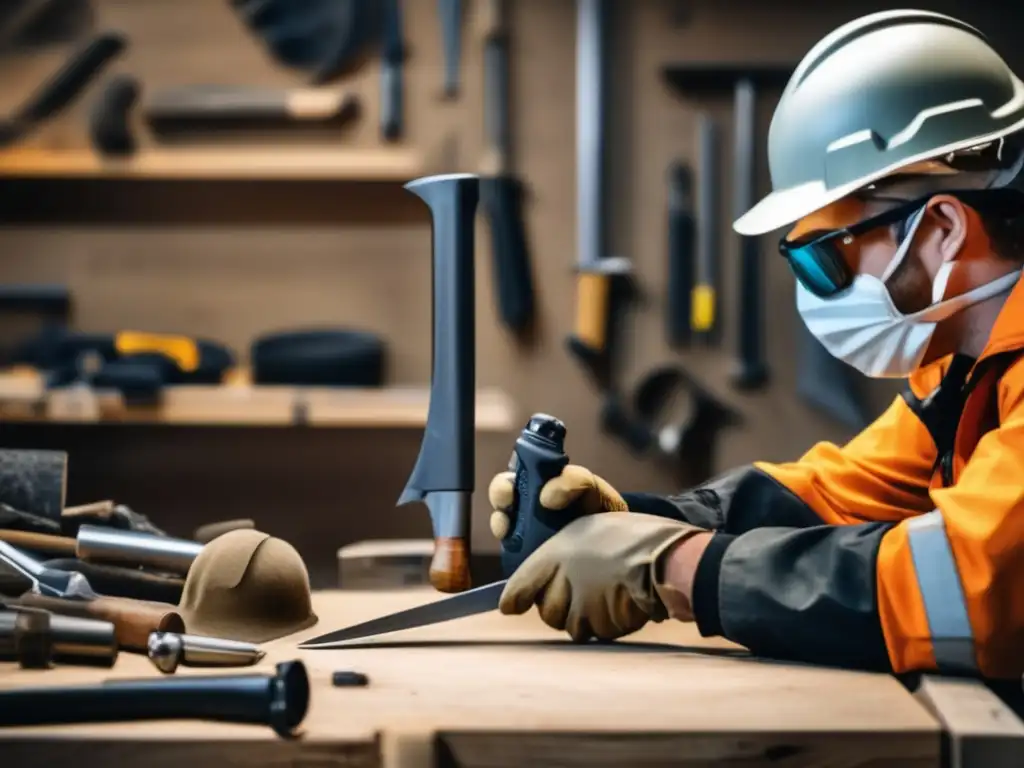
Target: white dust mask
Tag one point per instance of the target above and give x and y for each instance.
(862, 327)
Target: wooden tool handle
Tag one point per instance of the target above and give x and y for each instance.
(40, 542)
(449, 570)
(592, 297)
(133, 620)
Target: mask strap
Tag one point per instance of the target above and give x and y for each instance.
(943, 309)
(941, 281)
(904, 247)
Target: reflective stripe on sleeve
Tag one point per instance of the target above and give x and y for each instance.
(942, 593)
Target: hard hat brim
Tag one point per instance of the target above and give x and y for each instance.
(786, 206)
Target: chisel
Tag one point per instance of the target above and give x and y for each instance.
(500, 190)
(595, 271)
(391, 73)
(680, 254)
(450, 13)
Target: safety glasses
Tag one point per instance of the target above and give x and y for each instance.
(819, 263)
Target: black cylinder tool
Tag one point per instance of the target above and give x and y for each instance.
(279, 700)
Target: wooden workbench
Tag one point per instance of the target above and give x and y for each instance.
(497, 691)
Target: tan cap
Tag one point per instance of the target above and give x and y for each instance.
(247, 585)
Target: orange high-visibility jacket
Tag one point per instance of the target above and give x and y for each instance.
(902, 550)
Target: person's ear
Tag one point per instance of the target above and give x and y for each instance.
(950, 218)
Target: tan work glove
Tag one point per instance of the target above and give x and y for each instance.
(597, 576)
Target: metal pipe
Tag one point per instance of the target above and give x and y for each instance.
(37, 638)
(99, 544)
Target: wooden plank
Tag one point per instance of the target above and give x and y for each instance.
(493, 690)
(981, 731)
(22, 399)
(218, 163)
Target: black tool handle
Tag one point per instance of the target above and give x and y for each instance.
(752, 371)
(391, 86)
(513, 282)
(680, 255)
(450, 12)
(539, 456)
(79, 70)
(280, 700)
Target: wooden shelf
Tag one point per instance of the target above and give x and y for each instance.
(23, 401)
(250, 163)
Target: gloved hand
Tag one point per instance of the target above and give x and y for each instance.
(575, 484)
(598, 576)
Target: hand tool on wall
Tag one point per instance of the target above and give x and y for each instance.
(279, 700)
(538, 456)
(751, 370)
(36, 639)
(322, 37)
(70, 593)
(829, 385)
(31, 24)
(16, 17)
(391, 85)
(700, 79)
(680, 254)
(445, 468)
(100, 544)
(450, 13)
(182, 109)
(168, 650)
(34, 481)
(704, 298)
(595, 271)
(674, 418)
(501, 191)
(63, 87)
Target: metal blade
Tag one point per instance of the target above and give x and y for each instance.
(468, 603)
(46, 581)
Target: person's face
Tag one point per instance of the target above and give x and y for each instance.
(940, 237)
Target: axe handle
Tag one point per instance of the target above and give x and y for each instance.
(449, 568)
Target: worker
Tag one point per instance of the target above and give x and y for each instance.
(895, 160)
